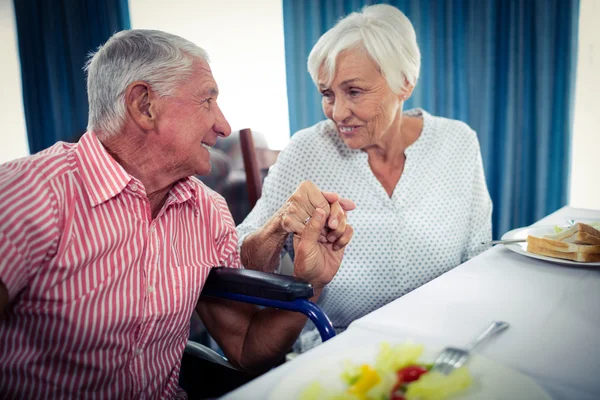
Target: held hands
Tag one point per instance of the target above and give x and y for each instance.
(318, 221)
(300, 207)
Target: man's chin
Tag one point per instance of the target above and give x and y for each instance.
(204, 170)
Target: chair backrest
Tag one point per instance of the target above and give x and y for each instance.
(253, 175)
(256, 162)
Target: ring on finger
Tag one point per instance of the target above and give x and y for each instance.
(306, 220)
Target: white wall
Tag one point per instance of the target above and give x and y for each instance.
(585, 165)
(244, 40)
(13, 134)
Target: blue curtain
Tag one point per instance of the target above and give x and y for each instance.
(505, 67)
(55, 38)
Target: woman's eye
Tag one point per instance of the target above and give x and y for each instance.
(327, 96)
(355, 93)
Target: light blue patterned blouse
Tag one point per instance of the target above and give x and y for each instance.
(438, 215)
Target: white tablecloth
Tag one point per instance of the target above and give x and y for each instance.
(553, 311)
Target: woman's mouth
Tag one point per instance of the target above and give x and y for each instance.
(347, 130)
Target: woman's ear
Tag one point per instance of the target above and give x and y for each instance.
(138, 101)
(406, 92)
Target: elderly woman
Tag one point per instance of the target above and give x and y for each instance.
(422, 205)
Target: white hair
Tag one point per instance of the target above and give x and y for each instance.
(161, 59)
(387, 36)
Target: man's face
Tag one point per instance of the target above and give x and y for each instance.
(190, 122)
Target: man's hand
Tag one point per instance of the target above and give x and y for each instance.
(317, 262)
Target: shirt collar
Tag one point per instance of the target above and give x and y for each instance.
(183, 191)
(102, 175)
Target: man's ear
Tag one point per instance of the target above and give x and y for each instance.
(138, 101)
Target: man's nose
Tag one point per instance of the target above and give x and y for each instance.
(221, 125)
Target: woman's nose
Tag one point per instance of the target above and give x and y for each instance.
(341, 111)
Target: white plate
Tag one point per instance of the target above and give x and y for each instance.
(492, 381)
(539, 231)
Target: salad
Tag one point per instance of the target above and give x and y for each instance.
(397, 374)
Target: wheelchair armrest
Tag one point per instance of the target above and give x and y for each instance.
(257, 284)
(200, 351)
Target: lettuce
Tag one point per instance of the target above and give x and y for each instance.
(394, 358)
(436, 386)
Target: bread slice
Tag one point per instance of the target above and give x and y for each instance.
(568, 251)
(579, 233)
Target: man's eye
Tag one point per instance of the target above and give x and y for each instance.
(355, 93)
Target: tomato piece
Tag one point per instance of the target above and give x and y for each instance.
(410, 373)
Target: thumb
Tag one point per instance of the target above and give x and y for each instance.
(313, 228)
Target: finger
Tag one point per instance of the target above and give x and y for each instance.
(313, 228)
(336, 222)
(331, 197)
(343, 241)
(347, 204)
(291, 224)
(301, 215)
(293, 219)
(308, 197)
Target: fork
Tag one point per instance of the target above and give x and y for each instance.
(451, 357)
(509, 241)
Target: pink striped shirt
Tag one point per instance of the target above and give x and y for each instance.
(100, 294)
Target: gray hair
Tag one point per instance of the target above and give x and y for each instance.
(387, 36)
(158, 58)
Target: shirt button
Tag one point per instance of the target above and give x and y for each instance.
(151, 289)
(138, 352)
(152, 229)
(134, 187)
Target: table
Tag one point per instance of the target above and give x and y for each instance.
(553, 310)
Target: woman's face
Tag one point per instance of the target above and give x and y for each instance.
(359, 101)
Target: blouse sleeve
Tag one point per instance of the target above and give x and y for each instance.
(279, 185)
(480, 221)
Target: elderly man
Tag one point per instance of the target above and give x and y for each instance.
(105, 244)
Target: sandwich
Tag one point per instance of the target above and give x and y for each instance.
(578, 234)
(581, 243)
